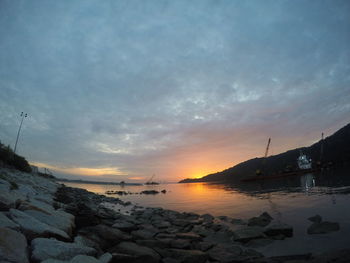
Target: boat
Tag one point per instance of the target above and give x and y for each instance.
(304, 166)
(303, 162)
(150, 182)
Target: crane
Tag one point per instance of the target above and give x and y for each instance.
(267, 148)
(262, 171)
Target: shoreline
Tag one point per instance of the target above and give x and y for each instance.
(87, 227)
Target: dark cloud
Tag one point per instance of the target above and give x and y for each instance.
(161, 86)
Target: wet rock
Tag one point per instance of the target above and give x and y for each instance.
(13, 246)
(261, 242)
(279, 229)
(248, 233)
(224, 252)
(315, 219)
(33, 228)
(44, 248)
(189, 235)
(189, 256)
(149, 192)
(163, 191)
(263, 220)
(6, 222)
(124, 225)
(144, 253)
(323, 228)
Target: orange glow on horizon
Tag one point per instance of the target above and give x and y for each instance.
(80, 170)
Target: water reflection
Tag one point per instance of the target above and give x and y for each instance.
(290, 200)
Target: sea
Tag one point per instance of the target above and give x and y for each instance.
(289, 200)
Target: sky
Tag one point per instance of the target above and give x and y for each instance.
(122, 89)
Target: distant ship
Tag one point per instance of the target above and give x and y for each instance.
(150, 182)
(303, 162)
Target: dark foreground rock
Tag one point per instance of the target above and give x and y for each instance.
(323, 228)
(43, 221)
(13, 246)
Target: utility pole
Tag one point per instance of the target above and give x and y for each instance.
(23, 115)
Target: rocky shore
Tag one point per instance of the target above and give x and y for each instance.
(44, 221)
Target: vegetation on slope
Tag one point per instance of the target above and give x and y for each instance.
(10, 159)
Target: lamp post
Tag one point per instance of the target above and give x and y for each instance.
(23, 115)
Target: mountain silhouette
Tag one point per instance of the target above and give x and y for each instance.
(335, 152)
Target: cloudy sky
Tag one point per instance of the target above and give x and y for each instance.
(123, 89)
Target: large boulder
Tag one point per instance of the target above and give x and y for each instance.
(58, 219)
(263, 220)
(6, 222)
(323, 228)
(13, 246)
(279, 229)
(141, 252)
(33, 228)
(246, 234)
(44, 248)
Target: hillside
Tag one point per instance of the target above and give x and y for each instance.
(336, 151)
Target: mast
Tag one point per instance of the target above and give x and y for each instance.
(321, 151)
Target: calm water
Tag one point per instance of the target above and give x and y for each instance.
(290, 200)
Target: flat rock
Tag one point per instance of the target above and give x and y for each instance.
(58, 219)
(6, 222)
(33, 228)
(248, 233)
(189, 256)
(323, 228)
(44, 248)
(130, 248)
(13, 246)
(279, 229)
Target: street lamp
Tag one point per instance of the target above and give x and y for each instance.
(23, 115)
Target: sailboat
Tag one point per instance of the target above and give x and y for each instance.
(150, 182)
